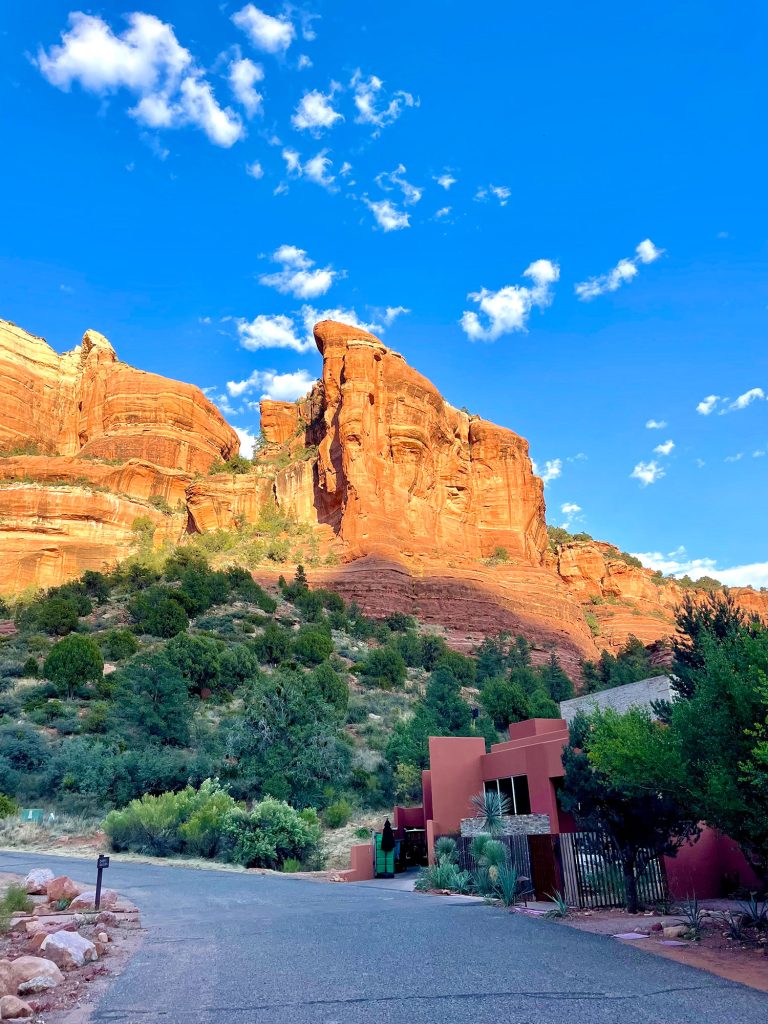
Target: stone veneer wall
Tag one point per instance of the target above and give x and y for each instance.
(641, 694)
(514, 825)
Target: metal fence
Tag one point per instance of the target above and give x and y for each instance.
(592, 874)
(584, 866)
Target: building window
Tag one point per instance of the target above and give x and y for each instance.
(515, 789)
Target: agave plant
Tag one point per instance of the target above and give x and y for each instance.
(446, 851)
(490, 811)
(692, 915)
(560, 908)
(755, 912)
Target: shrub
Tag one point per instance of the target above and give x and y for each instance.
(237, 664)
(119, 644)
(8, 806)
(269, 834)
(337, 814)
(312, 646)
(384, 667)
(158, 613)
(332, 688)
(592, 622)
(244, 586)
(291, 865)
(201, 588)
(236, 464)
(15, 900)
(191, 821)
(159, 502)
(504, 701)
(96, 585)
(399, 622)
(73, 662)
(31, 668)
(57, 616)
(273, 645)
(197, 658)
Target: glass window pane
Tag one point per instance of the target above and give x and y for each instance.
(505, 789)
(522, 796)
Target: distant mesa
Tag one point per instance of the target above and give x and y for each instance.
(394, 497)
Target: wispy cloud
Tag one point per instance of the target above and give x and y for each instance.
(499, 192)
(388, 216)
(571, 511)
(648, 472)
(655, 424)
(298, 275)
(295, 332)
(243, 76)
(371, 102)
(445, 180)
(508, 309)
(665, 448)
(624, 271)
(677, 563)
(553, 468)
(723, 406)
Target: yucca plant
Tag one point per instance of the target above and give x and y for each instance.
(692, 916)
(505, 886)
(490, 811)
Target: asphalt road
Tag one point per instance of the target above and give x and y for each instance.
(226, 948)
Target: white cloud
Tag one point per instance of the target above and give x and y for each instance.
(254, 170)
(279, 387)
(148, 61)
(388, 216)
(665, 448)
(295, 332)
(445, 180)
(706, 405)
(500, 192)
(303, 63)
(553, 468)
(266, 331)
(624, 271)
(243, 76)
(676, 563)
(391, 313)
(648, 472)
(508, 309)
(655, 424)
(443, 212)
(316, 169)
(298, 275)
(759, 453)
(389, 180)
(571, 512)
(248, 441)
(272, 35)
(753, 395)
(371, 104)
(346, 169)
(315, 112)
(712, 402)
(734, 458)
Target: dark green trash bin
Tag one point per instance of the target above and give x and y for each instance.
(385, 862)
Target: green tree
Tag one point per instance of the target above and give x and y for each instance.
(491, 658)
(57, 615)
(311, 646)
(197, 658)
(383, 667)
(636, 818)
(119, 644)
(540, 705)
(717, 619)
(554, 680)
(151, 700)
(332, 688)
(158, 613)
(273, 644)
(504, 701)
(72, 663)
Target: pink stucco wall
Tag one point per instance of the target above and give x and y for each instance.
(360, 864)
(712, 867)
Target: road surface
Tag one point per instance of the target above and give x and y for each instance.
(228, 948)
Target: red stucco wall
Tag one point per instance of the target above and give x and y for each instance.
(710, 868)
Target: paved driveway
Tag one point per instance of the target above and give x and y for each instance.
(226, 948)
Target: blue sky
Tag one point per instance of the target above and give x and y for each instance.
(568, 202)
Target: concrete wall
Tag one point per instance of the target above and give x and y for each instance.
(620, 698)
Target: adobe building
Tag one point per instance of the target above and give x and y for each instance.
(528, 770)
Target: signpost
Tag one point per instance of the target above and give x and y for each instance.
(101, 863)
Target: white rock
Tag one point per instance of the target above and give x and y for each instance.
(37, 880)
(40, 983)
(69, 950)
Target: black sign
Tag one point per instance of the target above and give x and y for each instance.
(102, 862)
